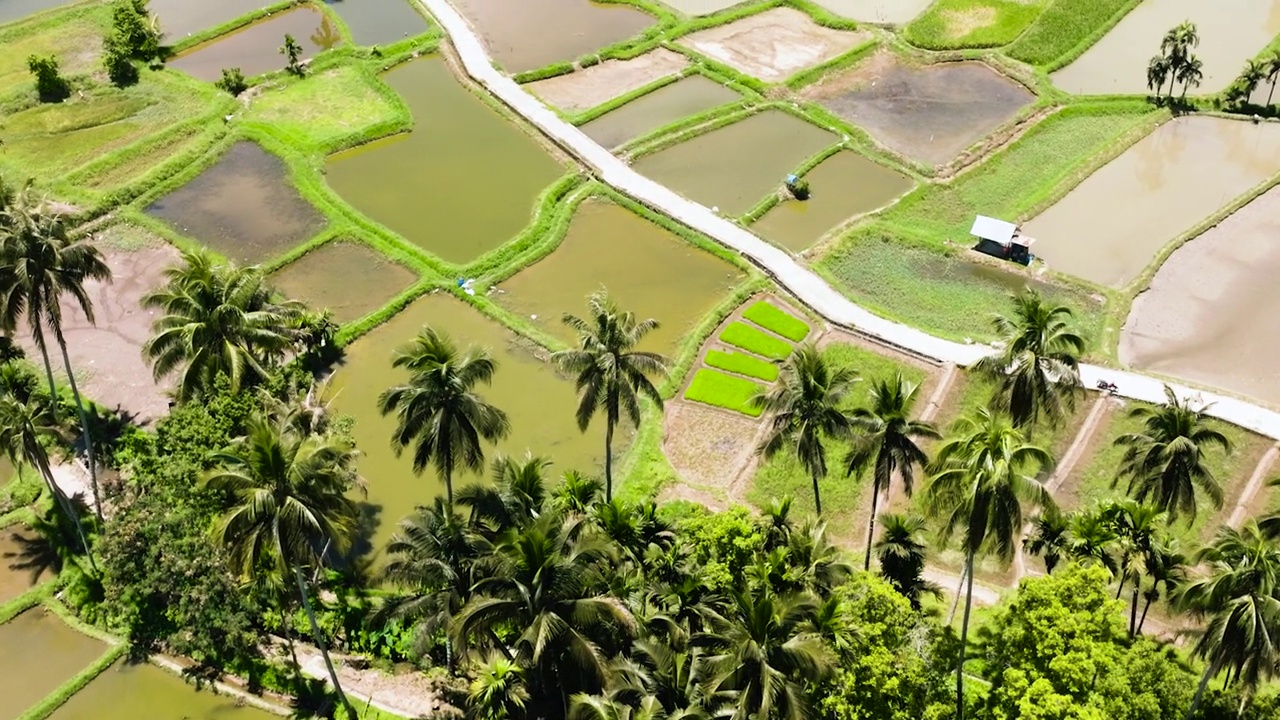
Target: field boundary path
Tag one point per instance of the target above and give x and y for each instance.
(801, 282)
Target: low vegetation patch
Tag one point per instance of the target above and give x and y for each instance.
(325, 108)
(74, 37)
(769, 317)
(952, 24)
(732, 393)
(1063, 26)
(743, 364)
(757, 341)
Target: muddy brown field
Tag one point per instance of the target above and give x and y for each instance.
(585, 89)
(773, 45)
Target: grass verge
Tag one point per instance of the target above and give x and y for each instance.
(712, 387)
(956, 24)
(743, 364)
(1066, 29)
(755, 341)
(769, 317)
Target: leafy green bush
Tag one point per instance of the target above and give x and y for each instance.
(726, 391)
(292, 52)
(756, 341)
(1065, 25)
(769, 317)
(232, 81)
(743, 364)
(135, 33)
(116, 60)
(51, 86)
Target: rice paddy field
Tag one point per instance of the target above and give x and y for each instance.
(384, 185)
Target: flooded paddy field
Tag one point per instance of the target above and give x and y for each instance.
(1231, 32)
(350, 279)
(663, 106)
(773, 45)
(11, 10)
(589, 87)
(843, 185)
(880, 12)
(647, 270)
(927, 113)
(22, 562)
(181, 18)
(127, 691)
(539, 404)
(534, 33)
(256, 48)
(1111, 226)
(379, 22)
(243, 207)
(54, 654)
(1209, 314)
(464, 166)
(734, 167)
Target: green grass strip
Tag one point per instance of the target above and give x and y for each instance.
(743, 364)
(768, 316)
(57, 698)
(1066, 29)
(727, 391)
(942, 27)
(756, 341)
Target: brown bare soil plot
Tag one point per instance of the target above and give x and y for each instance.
(773, 45)
(584, 89)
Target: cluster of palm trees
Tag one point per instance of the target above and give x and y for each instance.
(1253, 75)
(1176, 61)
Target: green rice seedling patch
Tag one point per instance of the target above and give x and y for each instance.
(756, 341)
(74, 36)
(712, 387)
(953, 24)
(844, 500)
(939, 293)
(1063, 26)
(769, 317)
(1046, 162)
(324, 109)
(743, 364)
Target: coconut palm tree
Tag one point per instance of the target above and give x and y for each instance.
(1273, 73)
(1166, 566)
(1176, 46)
(983, 476)
(288, 505)
(804, 407)
(25, 426)
(1190, 73)
(1165, 462)
(538, 584)
(1255, 71)
(515, 498)
(432, 557)
(498, 691)
(1158, 71)
(1138, 529)
(1091, 539)
(901, 554)
(1049, 536)
(611, 374)
(1240, 597)
(884, 437)
(1037, 371)
(767, 655)
(438, 411)
(217, 320)
(39, 266)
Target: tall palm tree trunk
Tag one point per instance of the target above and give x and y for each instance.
(1124, 578)
(955, 604)
(817, 495)
(1209, 672)
(608, 460)
(1133, 607)
(38, 335)
(324, 651)
(448, 487)
(871, 527)
(84, 424)
(1272, 91)
(1145, 607)
(964, 639)
(61, 499)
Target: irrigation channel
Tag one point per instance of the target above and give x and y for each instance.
(803, 283)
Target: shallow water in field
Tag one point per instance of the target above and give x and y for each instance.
(734, 167)
(843, 185)
(243, 206)
(180, 18)
(647, 270)
(1231, 32)
(1110, 227)
(22, 562)
(127, 691)
(256, 49)
(379, 22)
(663, 106)
(48, 654)
(11, 10)
(1209, 314)
(348, 278)
(539, 404)
(531, 34)
(461, 183)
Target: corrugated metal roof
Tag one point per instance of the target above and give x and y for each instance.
(994, 230)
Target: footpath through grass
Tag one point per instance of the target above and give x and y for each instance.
(1066, 29)
(954, 24)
